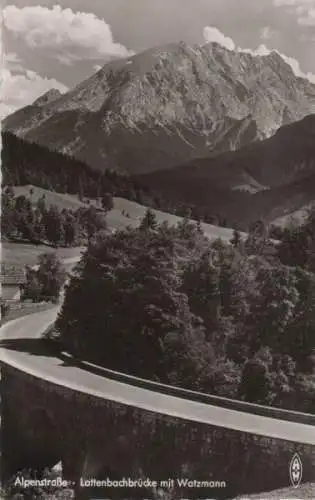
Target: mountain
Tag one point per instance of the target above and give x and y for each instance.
(264, 180)
(49, 96)
(167, 105)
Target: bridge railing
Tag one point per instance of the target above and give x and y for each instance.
(199, 397)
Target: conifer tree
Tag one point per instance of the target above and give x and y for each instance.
(149, 221)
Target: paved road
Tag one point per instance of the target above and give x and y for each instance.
(22, 348)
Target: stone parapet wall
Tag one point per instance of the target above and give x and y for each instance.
(96, 437)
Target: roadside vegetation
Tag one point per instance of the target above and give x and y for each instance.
(42, 288)
(164, 303)
(44, 283)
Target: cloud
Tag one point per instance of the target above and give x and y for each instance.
(212, 34)
(295, 65)
(303, 9)
(70, 36)
(61, 36)
(5, 110)
(293, 3)
(266, 33)
(262, 50)
(13, 60)
(308, 19)
(20, 87)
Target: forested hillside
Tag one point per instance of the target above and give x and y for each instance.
(230, 319)
(26, 163)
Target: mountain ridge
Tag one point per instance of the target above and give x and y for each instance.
(168, 104)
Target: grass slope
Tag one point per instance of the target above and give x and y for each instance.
(67, 201)
(137, 211)
(294, 219)
(21, 254)
(115, 218)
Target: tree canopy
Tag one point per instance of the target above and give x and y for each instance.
(44, 283)
(165, 303)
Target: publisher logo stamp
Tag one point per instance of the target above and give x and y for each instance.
(296, 470)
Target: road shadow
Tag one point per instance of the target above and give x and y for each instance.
(35, 347)
(39, 347)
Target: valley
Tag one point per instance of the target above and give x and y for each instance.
(277, 175)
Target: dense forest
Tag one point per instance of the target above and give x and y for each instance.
(165, 303)
(28, 163)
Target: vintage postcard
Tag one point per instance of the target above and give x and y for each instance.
(157, 335)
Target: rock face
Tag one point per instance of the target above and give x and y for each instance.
(167, 105)
(48, 97)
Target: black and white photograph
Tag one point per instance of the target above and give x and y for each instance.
(157, 328)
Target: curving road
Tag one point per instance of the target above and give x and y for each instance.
(17, 348)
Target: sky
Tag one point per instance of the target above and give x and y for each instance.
(48, 45)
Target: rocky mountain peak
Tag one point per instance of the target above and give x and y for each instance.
(159, 107)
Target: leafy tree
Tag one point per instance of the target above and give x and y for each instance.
(70, 230)
(8, 218)
(188, 356)
(149, 221)
(5, 308)
(38, 228)
(22, 203)
(236, 239)
(9, 192)
(32, 289)
(273, 306)
(53, 223)
(201, 282)
(199, 226)
(299, 340)
(141, 318)
(294, 247)
(258, 242)
(91, 220)
(304, 388)
(255, 383)
(310, 264)
(41, 204)
(51, 275)
(224, 378)
(45, 282)
(27, 224)
(107, 202)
